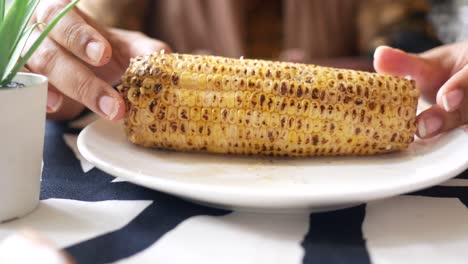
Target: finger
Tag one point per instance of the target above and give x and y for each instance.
(74, 33)
(127, 45)
(453, 93)
(428, 73)
(68, 110)
(436, 120)
(76, 80)
(61, 107)
(54, 100)
(54, 97)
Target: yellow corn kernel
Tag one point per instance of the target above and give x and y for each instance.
(224, 105)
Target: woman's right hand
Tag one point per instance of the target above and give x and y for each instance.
(442, 76)
(82, 59)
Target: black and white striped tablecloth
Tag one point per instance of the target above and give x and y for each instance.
(98, 219)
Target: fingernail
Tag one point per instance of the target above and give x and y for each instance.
(378, 50)
(452, 100)
(95, 51)
(109, 106)
(429, 126)
(54, 101)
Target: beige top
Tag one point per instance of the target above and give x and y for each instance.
(317, 28)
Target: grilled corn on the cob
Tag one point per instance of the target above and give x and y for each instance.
(240, 106)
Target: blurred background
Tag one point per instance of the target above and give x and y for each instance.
(411, 25)
(450, 18)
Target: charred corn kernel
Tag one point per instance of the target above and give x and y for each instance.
(223, 105)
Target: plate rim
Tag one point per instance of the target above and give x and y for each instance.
(178, 188)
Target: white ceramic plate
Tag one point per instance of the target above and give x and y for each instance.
(275, 184)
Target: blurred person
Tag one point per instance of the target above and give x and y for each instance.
(90, 49)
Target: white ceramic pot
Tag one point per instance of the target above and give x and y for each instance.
(22, 129)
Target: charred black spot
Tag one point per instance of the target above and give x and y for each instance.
(376, 136)
(174, 126)
(322, 95)
(315, 93)
(291, 89)
(283, 122)
(183, 114)
(152, 107)
(283, 106)
(175, 79)
(270, 103)
(315, 140)
(262, 99)
(347, 99)
(157, 88)
(299, 91)
(359, 90)
(342, 88)
(278, 74)
(284, 88)
(162, 113)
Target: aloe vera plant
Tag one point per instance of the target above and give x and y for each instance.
(15, 30)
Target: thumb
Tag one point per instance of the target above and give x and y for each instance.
(428, 73)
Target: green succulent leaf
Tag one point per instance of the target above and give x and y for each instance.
(2, 10)
(19, 48)
(10, 30)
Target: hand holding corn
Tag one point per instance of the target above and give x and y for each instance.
(441, 75)
(81, 59)
(240, 106)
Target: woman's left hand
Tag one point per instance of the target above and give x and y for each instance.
(441, 74)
